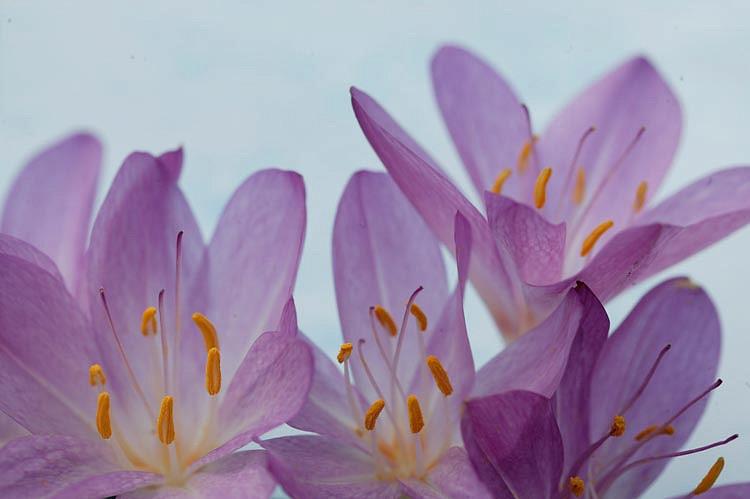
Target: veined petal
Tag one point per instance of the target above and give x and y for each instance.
(11, 246)
(453, 476)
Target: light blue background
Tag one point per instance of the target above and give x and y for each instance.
(248, 85)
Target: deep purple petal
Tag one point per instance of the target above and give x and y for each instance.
(452, 477)
(50, 202)
(484, 117)
(677, 313)
(516, 434)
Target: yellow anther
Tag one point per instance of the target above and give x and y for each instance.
(213, 371)
(618, 426)
(344, 352)
(710, 478)
(497, 186)
(103, 422)
(523, 157)
(165, 421)
(385, 320)
(654, 430)
(96, 375)
(640, 196)
(540, 187)
(667, 430)
(207, 329)
(148, 321)
(419, 314)
(579, 190)
(593, 237)
(371, 416)
(576, 486)
(416, 421)
(442, 380)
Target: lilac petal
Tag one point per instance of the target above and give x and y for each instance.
(537, 246)
(516, 433)
(484, 117)
(452, 477)
(382, 252)
(618, 105)
(733, 491)
(50, 202)
(312, 467)
(11, 246)
(9, 429)
(252, 260)
(62, 466)
(678, 313)
(437, 200)
(537, 361)
(46, 348)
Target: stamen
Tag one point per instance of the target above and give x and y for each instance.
(103, 422)
(421, 317)
(207, 329)
(416, 422)
(213, 371)
(591, 239)
(576, 486)
(618, 426)
(497, 186)
(344, 352)
(654, 430)
(148, 321)
(710, 478)
(540, 187)
(165, 421)
(442, 380)
(579, 191)
(640, 196)
(716, 384)
(96, 375)
(164, 344)
(385, 320)
(522, 163)
(371, 416)
(647, 379)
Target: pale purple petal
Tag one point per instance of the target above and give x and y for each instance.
(452, 477)
(12, 246)
(733, 491)
(484, 117)
(9, 429)
(50, 202)
(310, 467)
(516, 434)
(678, 313)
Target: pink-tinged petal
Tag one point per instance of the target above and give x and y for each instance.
(452, 477)
(288, 321)
(252, 260)
(11, 246)
(537, 246)
(485, 120)
(733, 491)
(382, 252)
(50, 202)
(515, 433)
(9, 429)
(630, 98)
(437, 200)
(61, 467)
(310, 467)
(46, 348)
(676, 313)
(538, 360)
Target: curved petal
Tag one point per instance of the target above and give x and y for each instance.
(733, 491)
(50, 202)
(452, 477)
(485, 119)
(437, 200)
(515, 433)
(676, 312)
(11, 246)
(9, 429)
(310, 467)
(382, 252)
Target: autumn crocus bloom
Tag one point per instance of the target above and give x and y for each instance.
(574, 202)
(389, 424)
(176, 353)
(612, 427)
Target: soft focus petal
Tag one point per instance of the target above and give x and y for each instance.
(50, 202)
(452, 477)
(311, 467)
(437, 200)
(516, 433)
(11, 246)
(59, 466)
(484, 117)
(733, 491)
(9, 429)
(678, 313)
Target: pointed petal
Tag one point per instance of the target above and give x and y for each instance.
(516, 433)
(678, 313)
(50, 202)
(452, 477)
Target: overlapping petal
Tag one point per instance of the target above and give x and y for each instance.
(452, 477)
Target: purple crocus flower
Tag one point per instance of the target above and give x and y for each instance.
(389, 424)
(626, 406)
(176, 354)
(574, 203)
